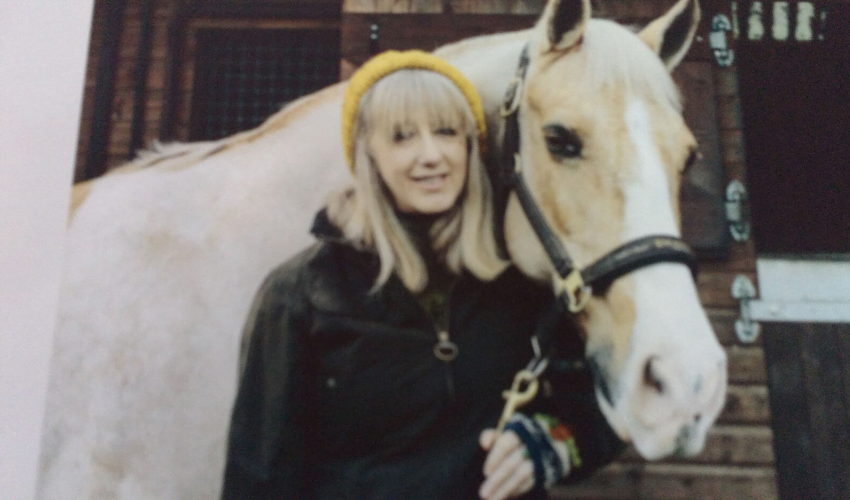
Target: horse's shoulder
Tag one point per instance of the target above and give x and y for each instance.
(291, 273)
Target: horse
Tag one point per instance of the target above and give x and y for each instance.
(163, 256)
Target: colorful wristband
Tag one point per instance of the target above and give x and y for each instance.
(551, 458)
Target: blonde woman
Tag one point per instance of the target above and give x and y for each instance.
(375, 360)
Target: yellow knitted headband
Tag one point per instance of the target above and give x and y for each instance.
(388, 62)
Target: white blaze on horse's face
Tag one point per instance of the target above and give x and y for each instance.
(604, 146)
(673, 383)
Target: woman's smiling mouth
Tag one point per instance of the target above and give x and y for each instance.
(431, 182)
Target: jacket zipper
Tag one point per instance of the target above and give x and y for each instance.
(444, 341)
(445, 350)
(450, 380)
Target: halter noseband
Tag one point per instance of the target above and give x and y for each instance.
(573, 285)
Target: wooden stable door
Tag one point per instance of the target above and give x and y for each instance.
(810, 387)
(804, 312)
(795, 92)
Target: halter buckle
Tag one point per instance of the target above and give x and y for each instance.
(578, 294)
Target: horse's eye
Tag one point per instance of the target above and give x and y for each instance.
(562, 142)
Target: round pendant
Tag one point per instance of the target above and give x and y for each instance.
(445, 350)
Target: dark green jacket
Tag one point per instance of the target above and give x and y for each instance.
(342, 397)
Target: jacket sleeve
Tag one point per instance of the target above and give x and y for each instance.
(265, 456)
(571, 399)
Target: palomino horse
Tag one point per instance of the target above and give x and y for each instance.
(163, 261)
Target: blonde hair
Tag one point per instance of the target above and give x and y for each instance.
(463, 236)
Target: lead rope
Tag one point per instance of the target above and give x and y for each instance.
(525, 385)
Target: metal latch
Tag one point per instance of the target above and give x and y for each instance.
(746, 329)
(738, 211)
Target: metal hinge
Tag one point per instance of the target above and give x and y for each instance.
(738, 211)
(720, 25)
(746, 329)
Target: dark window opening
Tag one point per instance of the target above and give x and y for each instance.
(243, 76)
(796, 108)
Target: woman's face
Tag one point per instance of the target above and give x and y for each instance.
(423, 167)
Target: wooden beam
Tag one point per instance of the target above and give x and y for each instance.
(497, 6)
(418, 31)
(392, 6)
(140, 79)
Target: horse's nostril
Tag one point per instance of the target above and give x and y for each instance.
(697, 418)
(650, 379)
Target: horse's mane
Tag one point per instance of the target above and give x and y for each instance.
(159, 151)
(456, 49)
(616, 55)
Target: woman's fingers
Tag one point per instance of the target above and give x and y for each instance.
(508, 471)
(486, 439)
(504, 445)
(513, 476)
(520, 481)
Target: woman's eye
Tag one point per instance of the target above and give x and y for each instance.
(402, 135)
(562, 142)
(446, 131)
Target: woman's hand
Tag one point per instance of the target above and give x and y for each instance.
(508, 470)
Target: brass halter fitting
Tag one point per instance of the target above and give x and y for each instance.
(578, 294)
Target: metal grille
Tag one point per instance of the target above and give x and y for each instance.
(242, 76)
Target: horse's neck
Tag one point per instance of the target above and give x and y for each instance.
(489, 62)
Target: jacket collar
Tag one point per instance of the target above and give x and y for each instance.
(324, 229)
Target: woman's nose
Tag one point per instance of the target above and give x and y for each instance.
(429, 152)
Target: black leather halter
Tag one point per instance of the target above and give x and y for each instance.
(574, 285)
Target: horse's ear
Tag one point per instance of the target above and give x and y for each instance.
(564, 22)
(670, 35)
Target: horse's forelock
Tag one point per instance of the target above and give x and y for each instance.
(616, 56)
